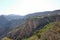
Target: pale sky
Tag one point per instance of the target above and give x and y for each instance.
(23, 7)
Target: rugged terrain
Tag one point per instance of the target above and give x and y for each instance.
(38, 26)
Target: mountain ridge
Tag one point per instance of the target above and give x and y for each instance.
(32, 23)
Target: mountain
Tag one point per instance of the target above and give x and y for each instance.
(37, 26)
(45, 13)
(6, 25)
(15, 23)
(50, 31)
(13, 17)
(3, 22)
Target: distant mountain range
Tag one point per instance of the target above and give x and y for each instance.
(13, 17)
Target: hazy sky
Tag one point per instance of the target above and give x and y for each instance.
(23, 7)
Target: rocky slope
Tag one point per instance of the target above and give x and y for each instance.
(32, 24)
(50, 31)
